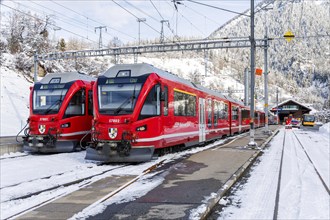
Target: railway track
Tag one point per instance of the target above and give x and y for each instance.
(49, 189)
(82, 183)
(312, 163)
(303, 149)
(13, 157)
(79, 183)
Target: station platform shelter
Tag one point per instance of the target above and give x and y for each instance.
(290, 107)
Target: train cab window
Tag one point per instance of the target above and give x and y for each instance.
(151, 106)
(90, 102)
(209, 113)
(77, 105)
(165, 93)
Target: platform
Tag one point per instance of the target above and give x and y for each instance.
(195, 182)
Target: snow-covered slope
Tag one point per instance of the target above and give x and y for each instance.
(14, 99)
(300, 66)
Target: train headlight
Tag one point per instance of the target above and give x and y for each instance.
(142, 128)
(66, 125)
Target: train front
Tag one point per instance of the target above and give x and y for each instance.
(45, 103)
(58, 114)
(117, 95)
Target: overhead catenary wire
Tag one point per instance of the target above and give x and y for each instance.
(60, 18)
(143, 12)
(73, 19)
(156, 9)
(215, 7)
(134, 15)
(45, 21)
(90, 19)
(81, 24)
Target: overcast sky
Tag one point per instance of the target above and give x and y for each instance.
(80, 19)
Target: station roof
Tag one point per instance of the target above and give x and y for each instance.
(290, 102)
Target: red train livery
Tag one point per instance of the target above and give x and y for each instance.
(139, 109)
(61, 113)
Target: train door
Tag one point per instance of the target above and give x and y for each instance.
(202, 120)
(240, 119)
(75, 116)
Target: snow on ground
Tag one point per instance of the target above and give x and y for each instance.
(15, 91)
(302, 195)
(37, 172)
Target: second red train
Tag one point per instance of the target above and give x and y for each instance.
(140, 109)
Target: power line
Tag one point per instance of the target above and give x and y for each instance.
(223, 9)
(156, 9)
(155, 19)
(81, 26)
(135, 16)
(178, 1)
(45, 21)
(203, 15)
(93, 20)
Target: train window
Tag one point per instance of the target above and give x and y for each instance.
(118, 98)
(223, 111)
(209, 113)
(77, 105)
(90, 102)
(184, 104)
(165, 100)
(245, 114)
(151, 106)
(215, 113)
(234, 113)
(48, 101)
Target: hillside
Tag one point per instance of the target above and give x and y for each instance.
(301, 66)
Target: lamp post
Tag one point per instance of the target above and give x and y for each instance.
(266, 45)
(252, 68)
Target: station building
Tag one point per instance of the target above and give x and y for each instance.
(284, 109)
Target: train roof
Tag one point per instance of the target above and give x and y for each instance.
(144, 68)
(66, 77)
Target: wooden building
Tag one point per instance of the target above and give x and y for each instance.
(284, 109)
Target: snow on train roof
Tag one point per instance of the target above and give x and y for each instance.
(66, 77)
(144, 68)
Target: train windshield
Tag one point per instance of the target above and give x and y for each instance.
(47, 99)
(118, 97)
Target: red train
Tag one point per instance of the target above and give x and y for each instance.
(139, 109)
(61, 113)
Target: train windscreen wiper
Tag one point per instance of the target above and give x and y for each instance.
(121, 107)
(50, 108)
